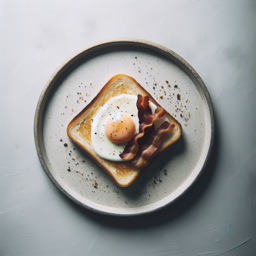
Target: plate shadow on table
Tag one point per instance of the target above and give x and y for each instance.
(176, 209)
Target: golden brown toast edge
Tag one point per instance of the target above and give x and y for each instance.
(102, 162)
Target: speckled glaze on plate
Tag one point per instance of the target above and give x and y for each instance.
(169, 79)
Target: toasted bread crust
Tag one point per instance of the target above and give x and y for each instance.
(79, 129)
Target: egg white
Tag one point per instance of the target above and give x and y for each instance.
(122, 104)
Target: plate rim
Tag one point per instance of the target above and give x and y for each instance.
(94, 47)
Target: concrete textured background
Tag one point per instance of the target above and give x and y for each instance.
(217, 215)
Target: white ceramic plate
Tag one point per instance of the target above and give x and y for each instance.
(74, 84)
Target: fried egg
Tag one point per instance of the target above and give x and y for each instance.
(115, 124)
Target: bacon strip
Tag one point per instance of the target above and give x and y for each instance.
(132, 147)
(143, 108)
(147, 151)
(144, 111)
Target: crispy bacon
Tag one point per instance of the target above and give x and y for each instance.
(144, 111)
(146, 152)
(132, 147)
(143, 108)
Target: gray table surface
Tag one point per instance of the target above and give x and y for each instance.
(217, 215)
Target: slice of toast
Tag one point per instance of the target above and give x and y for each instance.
(79, 129)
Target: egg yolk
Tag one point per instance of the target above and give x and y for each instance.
(120, 128)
